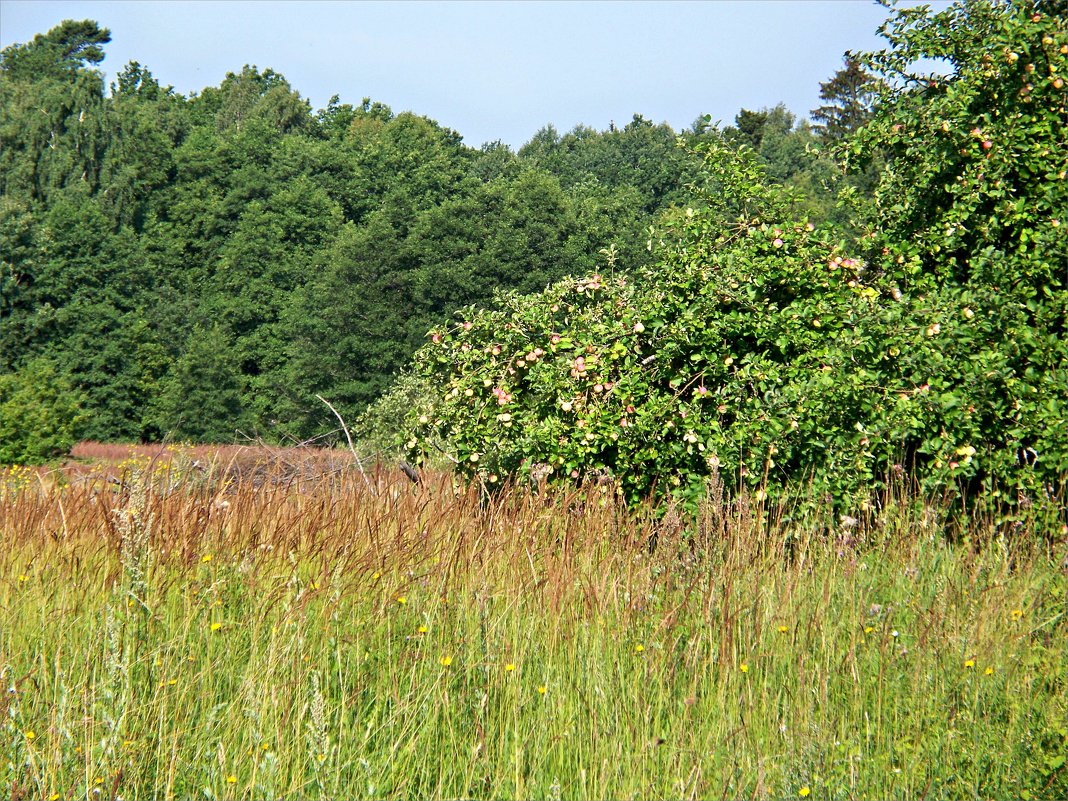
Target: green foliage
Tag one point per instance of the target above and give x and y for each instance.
(849, 98)
(917, 325)
(376, 429)
(201, 401)
(41, 415)
(727, 358)
(759, 348)
(66, 48)
(321, 246)
(969, 232)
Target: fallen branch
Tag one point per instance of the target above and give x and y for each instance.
(348, 437)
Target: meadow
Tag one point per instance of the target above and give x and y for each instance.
(263, 624)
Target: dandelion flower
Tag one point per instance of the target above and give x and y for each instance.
(783, 629)
(23, 578)
(216, 626)
(172, 682)
(206, 558)
(402, 600)
(743, 667)
(969, 663)
(988, 672)
(542, 690)
(423, 629)
(639, 648)
(231, 779)
(446, 661)
(509, 667)
(31, 734)
(804, 792)
(1017, 614)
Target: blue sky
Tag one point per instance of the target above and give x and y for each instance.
(490, 70)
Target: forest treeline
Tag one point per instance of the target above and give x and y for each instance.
(202, 267)
(877, 298)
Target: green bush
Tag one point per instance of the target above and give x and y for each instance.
(969, 232)
(758, 350)
(731, 356)
(40, 414)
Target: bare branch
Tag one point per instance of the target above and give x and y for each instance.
(348, 437)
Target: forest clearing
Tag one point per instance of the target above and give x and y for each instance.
(271, 632)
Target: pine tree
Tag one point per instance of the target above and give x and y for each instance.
(848, 98)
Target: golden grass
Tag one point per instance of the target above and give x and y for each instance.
(280, 632)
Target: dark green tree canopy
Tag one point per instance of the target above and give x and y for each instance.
(849, 97)
(68, 47)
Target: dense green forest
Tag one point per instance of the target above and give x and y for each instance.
(202, 267)
(880, 293)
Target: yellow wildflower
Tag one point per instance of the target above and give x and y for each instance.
(423, 629)
(206, 558)
(639, 648)
(231, 779)
(509, 667)
(402, 600)
(783, 629)
(969, 663)
(446, 661)
(31, 734)
(542, 690)
(988, 672)
(743, 667)
(804, 792)
(216, 626)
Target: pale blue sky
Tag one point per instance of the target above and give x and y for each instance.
(490, 70)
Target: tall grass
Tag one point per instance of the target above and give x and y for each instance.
(336, 637)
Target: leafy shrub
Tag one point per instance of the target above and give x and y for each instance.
(377, 428)
(758, 349)
(728, 357)
(969, 229)
(40, 414)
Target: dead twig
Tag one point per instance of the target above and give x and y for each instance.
(352, 448)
